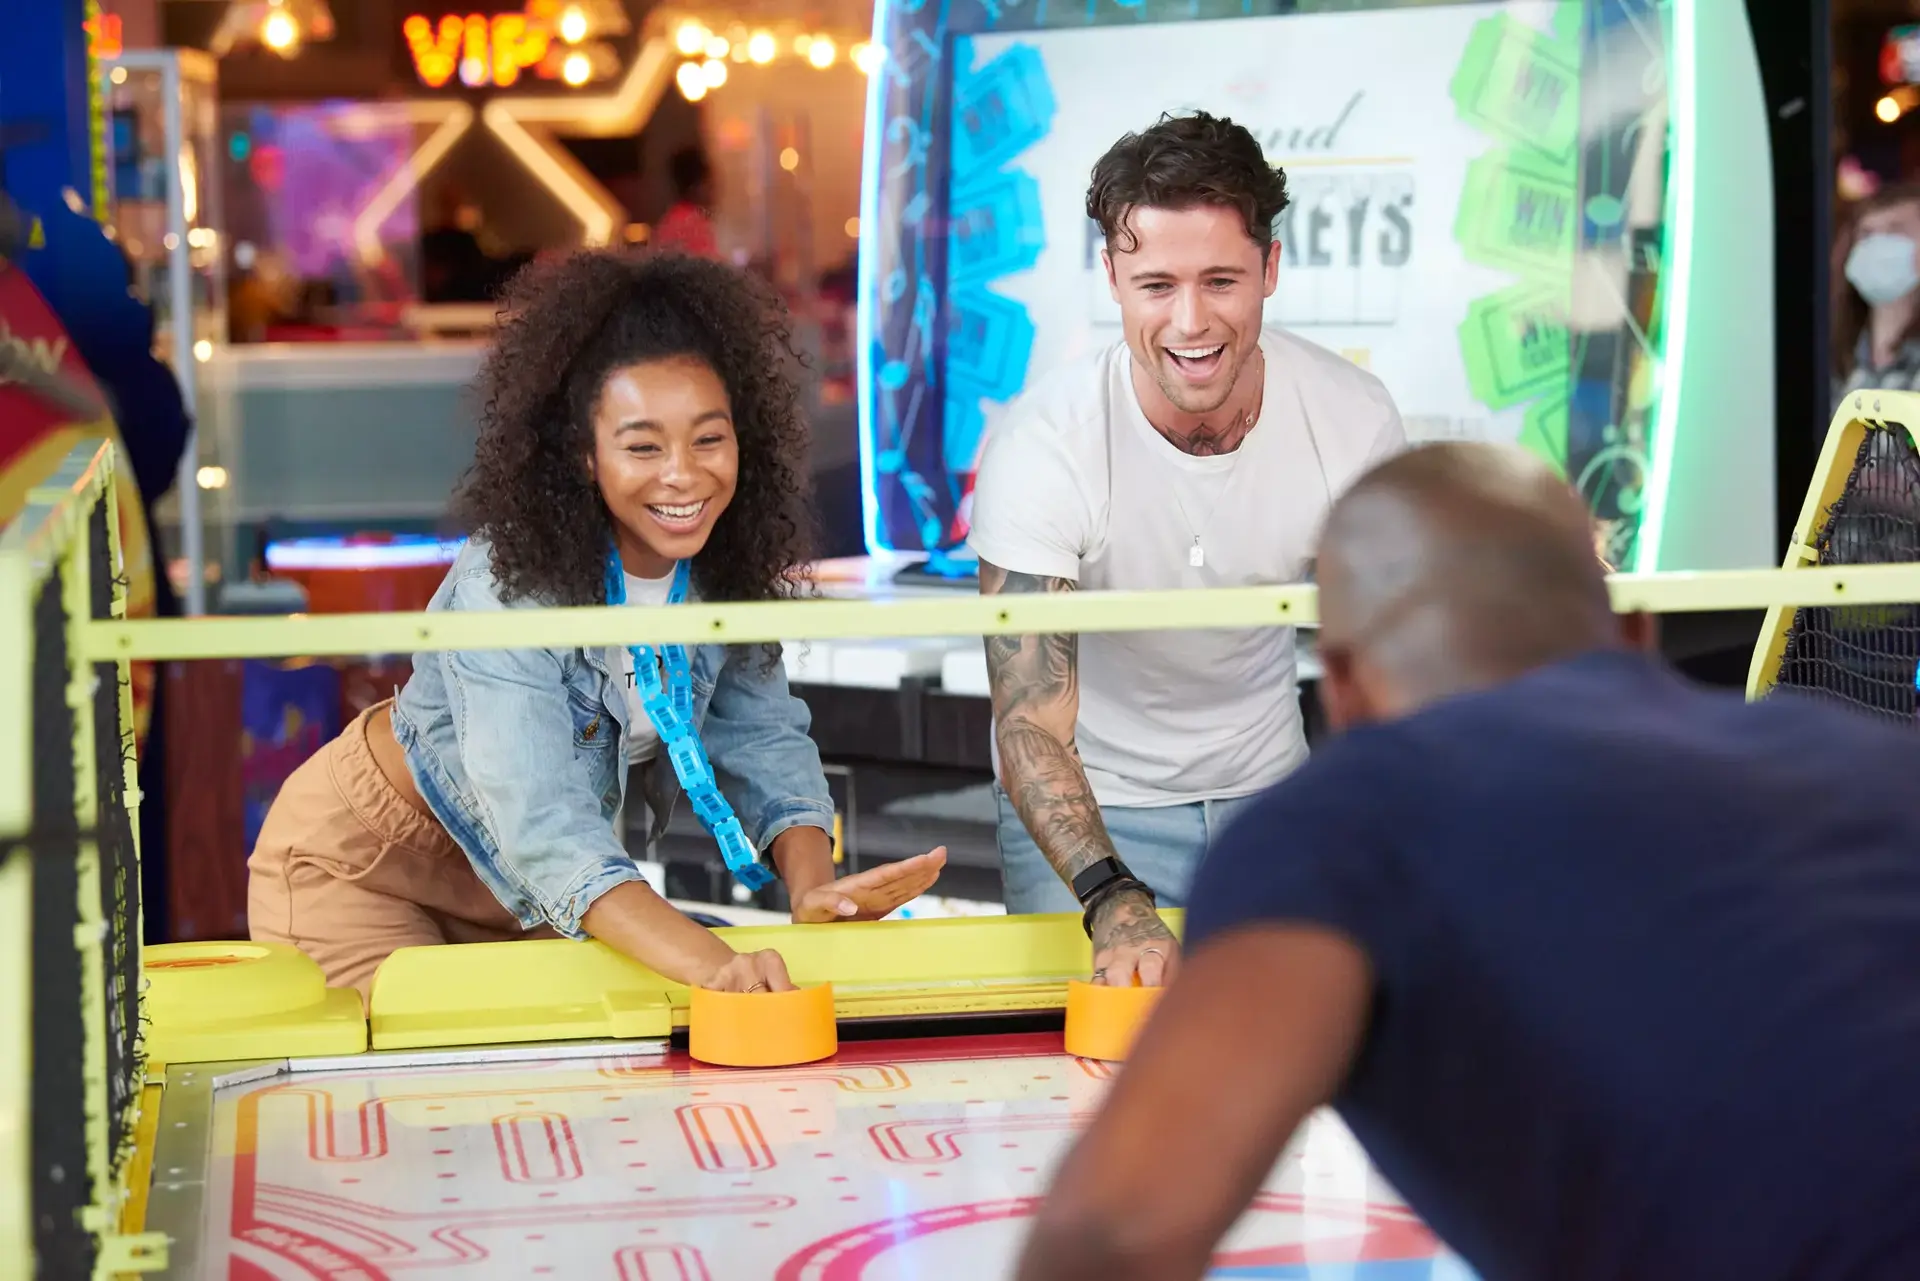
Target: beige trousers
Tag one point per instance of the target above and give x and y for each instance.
(348, 870)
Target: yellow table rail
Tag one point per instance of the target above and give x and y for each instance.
(243, 1000)
(592, 626)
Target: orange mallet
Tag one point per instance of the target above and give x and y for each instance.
(762, 1029)
(1102, 1021)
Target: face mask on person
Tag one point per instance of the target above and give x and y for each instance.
(1882, 268)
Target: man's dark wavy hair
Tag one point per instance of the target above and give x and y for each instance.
(1182, 162)
(564, 326)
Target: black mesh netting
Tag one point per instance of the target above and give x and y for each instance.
(62, 1245)
(1865, 655)
(119, 867)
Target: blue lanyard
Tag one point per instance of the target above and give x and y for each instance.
(670, 708)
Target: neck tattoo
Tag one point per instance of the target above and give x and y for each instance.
(1208, 440)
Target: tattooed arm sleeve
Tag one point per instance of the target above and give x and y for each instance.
(1035, 684)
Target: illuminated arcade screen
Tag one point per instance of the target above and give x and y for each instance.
(1482, 215)
(325, 189)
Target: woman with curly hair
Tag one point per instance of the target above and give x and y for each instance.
(640, 443)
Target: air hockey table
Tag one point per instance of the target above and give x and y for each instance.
(531, 1109)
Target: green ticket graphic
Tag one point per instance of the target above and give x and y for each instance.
(1516, 346)
(1543, 430)
(1517, 214)
(1521, 86)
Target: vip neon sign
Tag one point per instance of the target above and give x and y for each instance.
(482, 49)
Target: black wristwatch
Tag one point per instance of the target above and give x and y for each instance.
(1097, 882)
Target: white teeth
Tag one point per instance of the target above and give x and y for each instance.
(1195, 353)
(686, 512)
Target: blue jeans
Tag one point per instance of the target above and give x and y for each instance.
(1163, 845)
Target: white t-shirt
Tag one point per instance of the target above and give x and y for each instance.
(643, 741)
(1075, 483)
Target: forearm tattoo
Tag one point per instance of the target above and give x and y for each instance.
(1126, 919)
(1035, 683)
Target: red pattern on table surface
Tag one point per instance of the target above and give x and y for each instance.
(900, 1157)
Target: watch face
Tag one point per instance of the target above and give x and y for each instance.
(1097, 874)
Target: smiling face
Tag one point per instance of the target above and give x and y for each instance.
(665, 458)
(1191, 290)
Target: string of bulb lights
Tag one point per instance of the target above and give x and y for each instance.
(706, 52)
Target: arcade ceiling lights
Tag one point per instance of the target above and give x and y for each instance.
(706, 46)
(552, 41)
(281, 26)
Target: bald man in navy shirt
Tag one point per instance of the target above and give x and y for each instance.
(1616, 978)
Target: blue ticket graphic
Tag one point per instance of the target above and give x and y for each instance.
(995, 228)
(988, 341)
(999, 110)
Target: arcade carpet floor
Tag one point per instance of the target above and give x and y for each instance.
(909, 1159)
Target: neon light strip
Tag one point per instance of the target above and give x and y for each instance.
(412, 555)
(585, 199)
(606, 115)
(868, 282)
(455, 119)
(623, 111)
(941, 615)
(1682, 173)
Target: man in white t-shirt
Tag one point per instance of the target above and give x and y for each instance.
(1203, 451)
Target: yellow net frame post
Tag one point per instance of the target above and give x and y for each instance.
(52, 539)
(122, 1176)
(1862, 412)
(127, 1250)
(76, 576)
(17, 582)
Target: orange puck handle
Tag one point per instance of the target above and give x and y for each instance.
(762, 1029)
(1103, 1021)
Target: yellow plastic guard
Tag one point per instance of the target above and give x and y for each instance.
(762, 1029)
(534, 990)
(556, 989)
(212, 1001)
(1102, 1021)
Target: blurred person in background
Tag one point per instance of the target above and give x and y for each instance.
(1876, 306)
(688, 223)
(455, 265)
(259, 296)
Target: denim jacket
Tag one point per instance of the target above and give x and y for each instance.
(521, 755)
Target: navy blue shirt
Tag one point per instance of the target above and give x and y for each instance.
(1647, 965)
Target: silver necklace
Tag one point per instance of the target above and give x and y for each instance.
(1197, 554)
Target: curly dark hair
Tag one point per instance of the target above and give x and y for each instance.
(1181, 162)
(564, 326)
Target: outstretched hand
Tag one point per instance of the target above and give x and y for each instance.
(870, 895)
